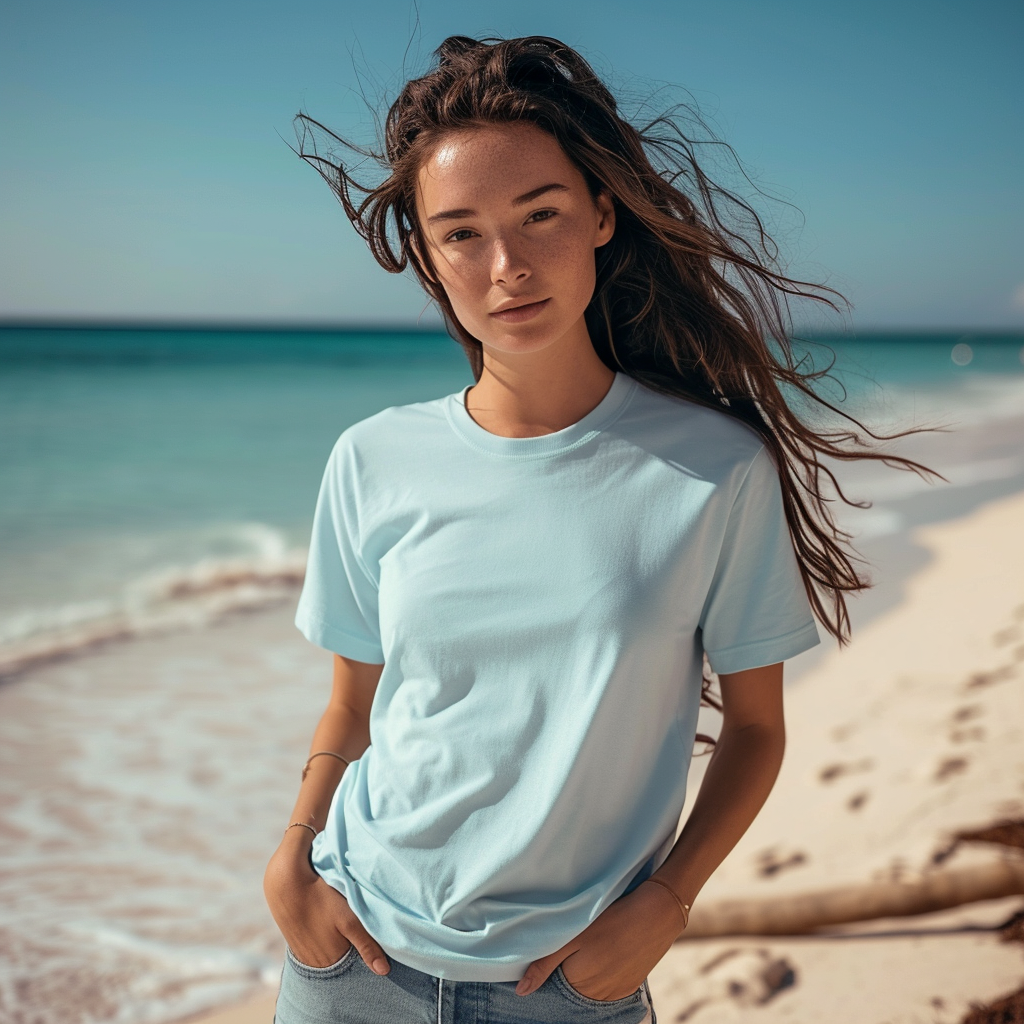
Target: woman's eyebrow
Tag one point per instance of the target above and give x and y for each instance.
(526, 197)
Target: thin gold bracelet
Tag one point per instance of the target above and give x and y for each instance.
(303, 824)
(684, 907)
(329, 753)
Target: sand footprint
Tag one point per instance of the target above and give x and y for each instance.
(963, 733)
(741, 977)
(831, 772)
(950, 767)
(772, 860)
(858, 800)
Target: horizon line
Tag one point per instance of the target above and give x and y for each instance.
(239, 326)
(225, 325)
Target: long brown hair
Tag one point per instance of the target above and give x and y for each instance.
(690, 298)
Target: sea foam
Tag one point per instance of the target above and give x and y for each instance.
(167, 599)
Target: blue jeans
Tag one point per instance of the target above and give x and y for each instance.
(348, 992)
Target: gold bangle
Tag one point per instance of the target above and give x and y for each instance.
(329, 753)
(303, 824)
(684, 907)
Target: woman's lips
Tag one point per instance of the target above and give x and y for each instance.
(520, 313)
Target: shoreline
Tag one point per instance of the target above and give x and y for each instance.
(923, 727)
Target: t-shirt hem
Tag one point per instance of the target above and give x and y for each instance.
(489, 971)
(759, 653)
(338, 641)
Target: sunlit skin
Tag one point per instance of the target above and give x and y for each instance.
(509, 223)
(512, 229)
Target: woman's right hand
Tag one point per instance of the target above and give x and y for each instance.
(315, 919)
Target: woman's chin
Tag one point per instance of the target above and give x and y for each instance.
(519, 347)
(522, 339)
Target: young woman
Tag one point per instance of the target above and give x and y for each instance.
(521, 581)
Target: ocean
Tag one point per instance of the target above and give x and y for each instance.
(156, 496)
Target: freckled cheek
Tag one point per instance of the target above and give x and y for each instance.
(564, 250)
(567, 264)
(464, 280)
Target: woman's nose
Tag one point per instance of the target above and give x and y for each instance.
(508, 265)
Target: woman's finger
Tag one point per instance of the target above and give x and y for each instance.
(540, 970)
(332, 906)
(373, 956)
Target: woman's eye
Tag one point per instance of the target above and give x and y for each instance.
(541, 215)
(460, 235)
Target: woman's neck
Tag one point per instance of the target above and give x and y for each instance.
(537, 393)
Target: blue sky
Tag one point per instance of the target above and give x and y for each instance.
(143, 172)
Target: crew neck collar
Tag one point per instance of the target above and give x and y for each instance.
(576, 434)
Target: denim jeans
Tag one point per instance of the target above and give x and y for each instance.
(348, 992)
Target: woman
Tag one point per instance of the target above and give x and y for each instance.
(520, 582)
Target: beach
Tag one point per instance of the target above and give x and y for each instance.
(151, 741)
(911, 734)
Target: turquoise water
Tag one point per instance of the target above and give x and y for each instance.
(128, 429)
(126, 451)
(121, 451)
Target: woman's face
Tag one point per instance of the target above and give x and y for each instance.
(512, 228)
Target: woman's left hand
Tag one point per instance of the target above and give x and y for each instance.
(611, 958)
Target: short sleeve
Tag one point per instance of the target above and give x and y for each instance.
(757, 612)
(338, 606)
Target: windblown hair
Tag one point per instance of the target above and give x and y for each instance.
(690, 299)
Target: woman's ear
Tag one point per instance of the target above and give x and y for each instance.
(606, 218)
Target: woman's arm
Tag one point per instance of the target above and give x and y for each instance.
(314, 918)
(739, 777)
(345, 729)
(610, 958)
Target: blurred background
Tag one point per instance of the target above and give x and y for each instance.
(187, 322)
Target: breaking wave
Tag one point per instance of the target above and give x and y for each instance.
(166, 600)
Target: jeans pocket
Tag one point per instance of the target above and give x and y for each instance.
(568, 990)
(321, 972)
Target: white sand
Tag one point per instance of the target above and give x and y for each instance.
(914, 731)
(259, 1012)
(928, 979)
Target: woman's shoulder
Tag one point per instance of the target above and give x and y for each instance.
(692, 436)
(391, 430)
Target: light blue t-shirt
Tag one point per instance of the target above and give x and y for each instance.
(541, 607)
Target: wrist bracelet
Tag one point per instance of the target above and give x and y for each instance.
(684, 907)
(302, 824)
(320, 753)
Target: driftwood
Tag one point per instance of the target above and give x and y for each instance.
(803, 913)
